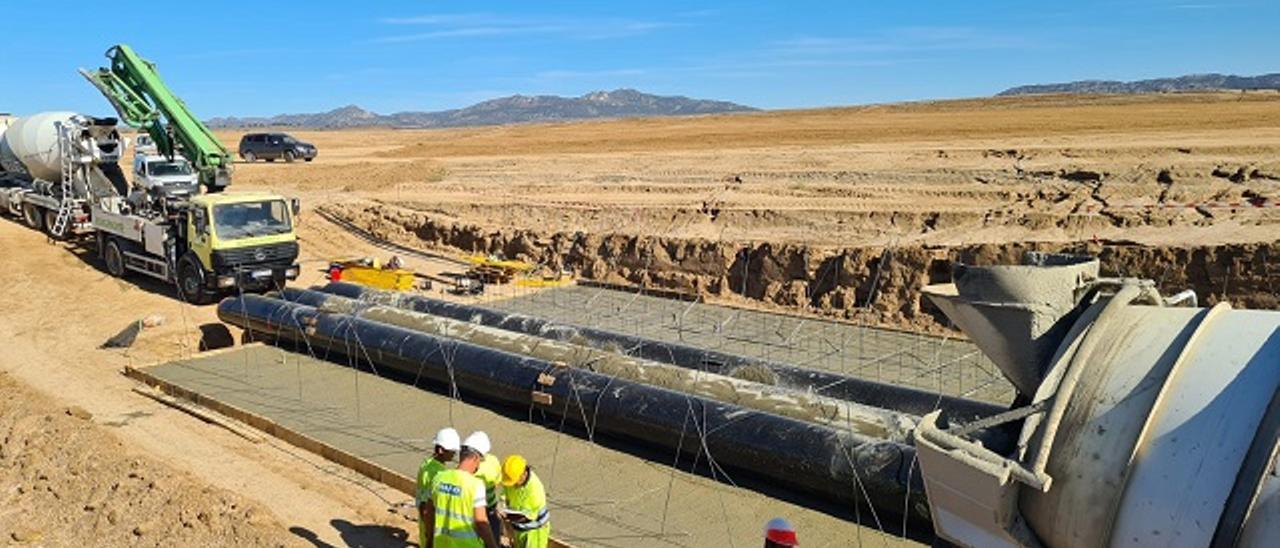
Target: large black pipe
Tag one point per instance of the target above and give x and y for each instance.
(806, 406)
(885, 396)
(789, 453)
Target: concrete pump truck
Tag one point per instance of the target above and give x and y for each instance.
(59, 171)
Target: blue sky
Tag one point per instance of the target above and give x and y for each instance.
(259, 58)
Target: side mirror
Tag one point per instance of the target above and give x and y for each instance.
(295, 205)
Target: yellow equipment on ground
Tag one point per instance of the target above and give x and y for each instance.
(370, 272)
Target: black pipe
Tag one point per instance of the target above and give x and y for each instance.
(885, 396)
(804, 457)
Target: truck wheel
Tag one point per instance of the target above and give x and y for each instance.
(191, 282)
(51, 221)
(289, 156)
(113, 258)
(31, 214)
(248, 157)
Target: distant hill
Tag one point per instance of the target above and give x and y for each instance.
(515, 109)
(1191, 82)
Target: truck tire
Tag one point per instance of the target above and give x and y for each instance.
(51, 221)
(289, 156)
(31, 215)
(191, 282)
(248, 157)
(113, 258)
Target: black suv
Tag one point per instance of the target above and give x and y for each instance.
(272, 146)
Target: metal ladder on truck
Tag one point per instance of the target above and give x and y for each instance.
(67, 203)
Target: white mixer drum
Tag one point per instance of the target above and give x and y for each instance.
(30, 145)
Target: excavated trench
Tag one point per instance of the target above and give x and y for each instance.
(876, 284)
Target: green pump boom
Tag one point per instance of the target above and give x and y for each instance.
(134, 88)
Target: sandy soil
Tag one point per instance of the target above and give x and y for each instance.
(58, 309)
(843, 212)
(795, 189)
(67, 480)
(946, 173)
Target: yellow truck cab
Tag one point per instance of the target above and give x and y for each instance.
(237, 240)
(208, 244)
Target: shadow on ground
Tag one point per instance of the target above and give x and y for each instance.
(358, 536)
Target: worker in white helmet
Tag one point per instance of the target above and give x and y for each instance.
(457, 504)
(490, 472)
(446, 449)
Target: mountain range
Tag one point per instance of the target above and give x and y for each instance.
(1191, 82)
(620, 103)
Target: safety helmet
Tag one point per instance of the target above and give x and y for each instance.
(513, 469)
(479, 441)
(447, 439)
(780, 532)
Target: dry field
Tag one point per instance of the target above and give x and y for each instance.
(840, 211)
(796, 209)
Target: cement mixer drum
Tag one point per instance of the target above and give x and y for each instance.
(30, 145)
(1152, 425)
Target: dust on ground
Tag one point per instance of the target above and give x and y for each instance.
(843, 212)
(65, 479)
(59, 307)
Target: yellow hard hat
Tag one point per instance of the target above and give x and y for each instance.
(513, 469)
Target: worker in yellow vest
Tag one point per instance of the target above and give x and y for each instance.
(447, 444)
(526, 504)
(490, 472)
(458, 506)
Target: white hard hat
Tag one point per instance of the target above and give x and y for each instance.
(478, 441)
(447, 438)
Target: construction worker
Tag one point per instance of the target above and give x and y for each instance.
(526, 504)
(458, 505)
(446, 449)
(779, 533)
(490, 471)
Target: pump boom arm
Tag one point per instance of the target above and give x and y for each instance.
(134, 88)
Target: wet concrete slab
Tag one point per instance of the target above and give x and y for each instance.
(603, 491)
(927, 362)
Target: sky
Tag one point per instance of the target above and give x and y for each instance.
(261, 58)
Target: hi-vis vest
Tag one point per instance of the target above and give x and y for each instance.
(427, 472)
(490, 472)
(453, 492)
(530, 500)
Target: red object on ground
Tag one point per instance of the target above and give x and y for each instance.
(335, 273)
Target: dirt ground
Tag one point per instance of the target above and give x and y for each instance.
(801, 210)
(58, 310)
(79, 482)
(946, 173)
(845, 212)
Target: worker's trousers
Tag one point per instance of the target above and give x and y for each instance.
(537, 538)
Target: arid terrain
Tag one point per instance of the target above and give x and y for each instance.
(847, 211)
(842, 212)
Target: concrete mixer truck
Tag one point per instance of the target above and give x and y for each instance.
(59, 172)
(1141, 420)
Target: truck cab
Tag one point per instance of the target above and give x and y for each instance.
(208, 245)
(237, 240)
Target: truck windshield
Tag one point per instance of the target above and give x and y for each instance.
(251, 219)
(161, 169)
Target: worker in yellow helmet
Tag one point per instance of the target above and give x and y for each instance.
(447, 445)
(490, 472)
(458, 505)
(526, 504)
